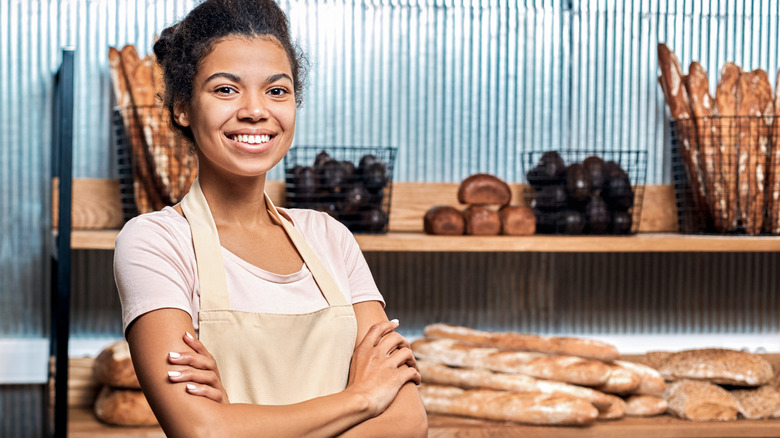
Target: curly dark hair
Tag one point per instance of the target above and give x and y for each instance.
(182, 46)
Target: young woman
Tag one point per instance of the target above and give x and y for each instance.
(244, 319)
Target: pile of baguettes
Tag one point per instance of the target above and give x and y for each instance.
(547, 380)
(163, 166)
(731, 150)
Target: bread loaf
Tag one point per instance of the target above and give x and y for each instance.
(469, 378)
(615, 411)
(709, 140)
(726, 108)
(773, 168)
(519, 407)
(758, 403)
(567, 369)
(517, 220)
(751, 162)
(652, 383)
(582, 347)
(481, 221)
(123, 407)
(645, 405)
(114, 367)
(700, 401)
(484, 189)
(444, 220)
(717, 365)
(622, 380)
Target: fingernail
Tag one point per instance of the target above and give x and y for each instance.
(174, 374)
(394, 320)
(174, 355)
(191, 387)
(187, 334)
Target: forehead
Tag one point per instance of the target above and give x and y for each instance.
(263, 54)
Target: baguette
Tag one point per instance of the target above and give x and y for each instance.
(773, 169)
(726, 108)
(582, 347)
(470, 378)
(700, 401)
(717, 365)
(645, 405)
(615, 411)
(758, 403)
(750, 165)
(520, 407)
(569, 369)
(652, 383)
(622, 380)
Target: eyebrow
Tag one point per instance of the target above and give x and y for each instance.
(236, 78)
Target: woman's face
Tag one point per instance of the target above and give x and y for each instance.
(242, 112)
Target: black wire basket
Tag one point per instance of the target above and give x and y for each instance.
(352, 184)
(581, 191)
(723, 171)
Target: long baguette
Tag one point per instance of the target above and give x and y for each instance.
(773, 170)
(622, 380)
(569, 369)
(470, 378)
(581, 347)
(726, 108)
(645, 405)
(761, 156)
(615, 411)
(519, 407)
(652, 382)
(750, 165)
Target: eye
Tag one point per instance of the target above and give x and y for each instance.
(224, 90)
(278, 91)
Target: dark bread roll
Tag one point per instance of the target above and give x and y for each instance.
(517, 220)
(444, 220)
(124, 407)
(113, 367)
(484, 189)
(482, 221)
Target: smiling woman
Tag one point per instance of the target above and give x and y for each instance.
(292, 337)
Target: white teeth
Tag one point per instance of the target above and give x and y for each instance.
(251, 139)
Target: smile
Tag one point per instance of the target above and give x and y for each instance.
(251, 139)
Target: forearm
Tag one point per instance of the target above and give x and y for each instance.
(405, 417)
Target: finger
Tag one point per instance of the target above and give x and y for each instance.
(195, 344)
(192, 375)
(192, 359)
(391, 342)
(379, 330)
(205, 391)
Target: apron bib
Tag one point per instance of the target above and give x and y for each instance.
(263, 358)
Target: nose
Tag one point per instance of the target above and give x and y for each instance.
(253, 108)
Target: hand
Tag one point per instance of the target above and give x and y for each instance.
(381, 365)
(200, 372)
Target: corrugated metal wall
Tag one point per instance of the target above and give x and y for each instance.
(459, 86)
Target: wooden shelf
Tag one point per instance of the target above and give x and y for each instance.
(401, 241)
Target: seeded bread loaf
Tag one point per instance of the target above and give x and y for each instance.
(521, 407)
(758, 403)
(123, 407)
(444, 220)
(114, 367)
(717, 365)
(700, 401)
(484, 189)
(582, 347)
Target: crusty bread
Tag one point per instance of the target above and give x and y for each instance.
(622, 380)
(758, 403)
(652, 383)
(700, 401)
(726, 107)
(615, 411)
(569, 369)
(582, 347)
(114, 367)
(645, 405)
(717, 365)
(517, 220)
(484, 189)
(469, 378)
(444, 220)
(521, 407)
(773, 170)
(481, 221)
(124, 407)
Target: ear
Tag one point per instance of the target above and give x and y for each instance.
(181, 114)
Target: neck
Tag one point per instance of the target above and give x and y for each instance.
(234, 200)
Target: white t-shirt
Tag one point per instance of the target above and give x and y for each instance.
(155, 268)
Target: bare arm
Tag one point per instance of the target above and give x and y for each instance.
(155, 334)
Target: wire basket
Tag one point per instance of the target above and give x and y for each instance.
(579, 191)
(723, 170)
(156, 165)
(352, 184)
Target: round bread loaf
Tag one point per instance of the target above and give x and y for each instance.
(517, 220)
(482, 221)
(113, 367)
(124, 407)
(444, 220)
(484, 189)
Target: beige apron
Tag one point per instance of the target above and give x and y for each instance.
(269, 358)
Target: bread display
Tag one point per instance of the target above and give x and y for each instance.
(582, 347)
(481, 220)
(521, 407)
(444, 220)
(484, 189)
(113, 367)
(700, 401)
(124, 407)
(717, 365)
(517, 220)
(645, 405)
